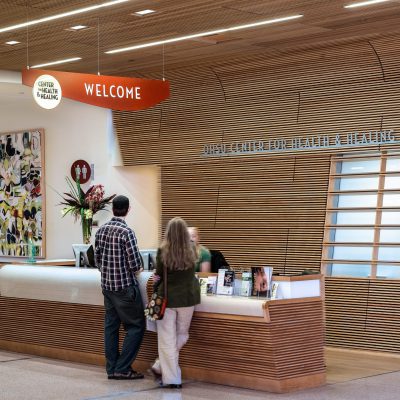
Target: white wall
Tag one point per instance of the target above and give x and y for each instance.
(75, 131)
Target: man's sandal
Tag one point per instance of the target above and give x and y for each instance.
(131, 374)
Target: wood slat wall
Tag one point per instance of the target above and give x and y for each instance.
(270, 209)
(363, 313)
(254, 212)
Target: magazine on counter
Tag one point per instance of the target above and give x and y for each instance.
(274, 290)
(229, 278)
(203, 285)
(211, 284)
(261, 281)
(226, 281)
(245, 289)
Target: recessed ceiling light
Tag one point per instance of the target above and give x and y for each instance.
(365, 3)
(144, 12)
(12, 42)
(208, 33)
(77, 27)
(67, 60)
(62, 15)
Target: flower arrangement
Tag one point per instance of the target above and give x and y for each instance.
(84, 205)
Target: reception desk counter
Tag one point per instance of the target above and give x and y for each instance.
(272, 345)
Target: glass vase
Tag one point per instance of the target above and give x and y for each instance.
(86, 229)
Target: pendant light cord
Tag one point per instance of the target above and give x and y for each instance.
(27, 34)
(98, 46)
(163, 63)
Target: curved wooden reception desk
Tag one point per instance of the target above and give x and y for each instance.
(273, 345)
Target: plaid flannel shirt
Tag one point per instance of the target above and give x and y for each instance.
(117, 255)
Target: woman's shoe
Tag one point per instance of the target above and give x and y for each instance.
(171, 386)
(156, 374)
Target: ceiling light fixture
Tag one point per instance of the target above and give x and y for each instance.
(143, 12)
(62, 15)
(365, 3)
(77, 27)
(67, 60)
(197, 35)
(12, 42)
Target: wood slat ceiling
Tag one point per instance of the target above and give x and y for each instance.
(323, 22)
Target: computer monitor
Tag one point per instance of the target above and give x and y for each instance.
(218, 261)
(84, 255)
(149, 258)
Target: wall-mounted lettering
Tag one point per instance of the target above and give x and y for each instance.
(353, 139)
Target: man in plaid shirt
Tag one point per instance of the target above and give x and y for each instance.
(118, 259)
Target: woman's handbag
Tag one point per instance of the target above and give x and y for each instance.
(155, 308)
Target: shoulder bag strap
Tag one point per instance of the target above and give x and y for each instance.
(165, 281)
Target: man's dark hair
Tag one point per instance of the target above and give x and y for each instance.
(120, 206)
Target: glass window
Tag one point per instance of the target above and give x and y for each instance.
(390, 218)
(355, 270)
(354, 218)
(388, 271)
(351, 238)
(389, 254)
(392, 182)
(359, 166)
(352, 235)
(357, 183)
(389, 236)
(354, 201)
(391, 200)
(351, 253)
(393, 164)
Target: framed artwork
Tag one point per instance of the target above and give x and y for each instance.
(22, 199)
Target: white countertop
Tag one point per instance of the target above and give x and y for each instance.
(82, 286)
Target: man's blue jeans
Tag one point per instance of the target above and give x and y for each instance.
(126, 307)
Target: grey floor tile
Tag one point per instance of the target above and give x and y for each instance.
(44, 379)
(9, 356)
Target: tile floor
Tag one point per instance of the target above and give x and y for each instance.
(25, 377)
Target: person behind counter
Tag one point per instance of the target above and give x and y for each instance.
(177, 255)
(118, 259)
(203, 263)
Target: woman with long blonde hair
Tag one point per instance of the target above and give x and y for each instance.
(177, 255)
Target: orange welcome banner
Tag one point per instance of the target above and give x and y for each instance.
(114, 92)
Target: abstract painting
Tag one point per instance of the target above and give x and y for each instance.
(21, 194)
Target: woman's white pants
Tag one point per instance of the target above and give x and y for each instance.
(173, 333)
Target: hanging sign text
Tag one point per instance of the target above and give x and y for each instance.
(114, 92)
(47, 92)
(353, 139)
